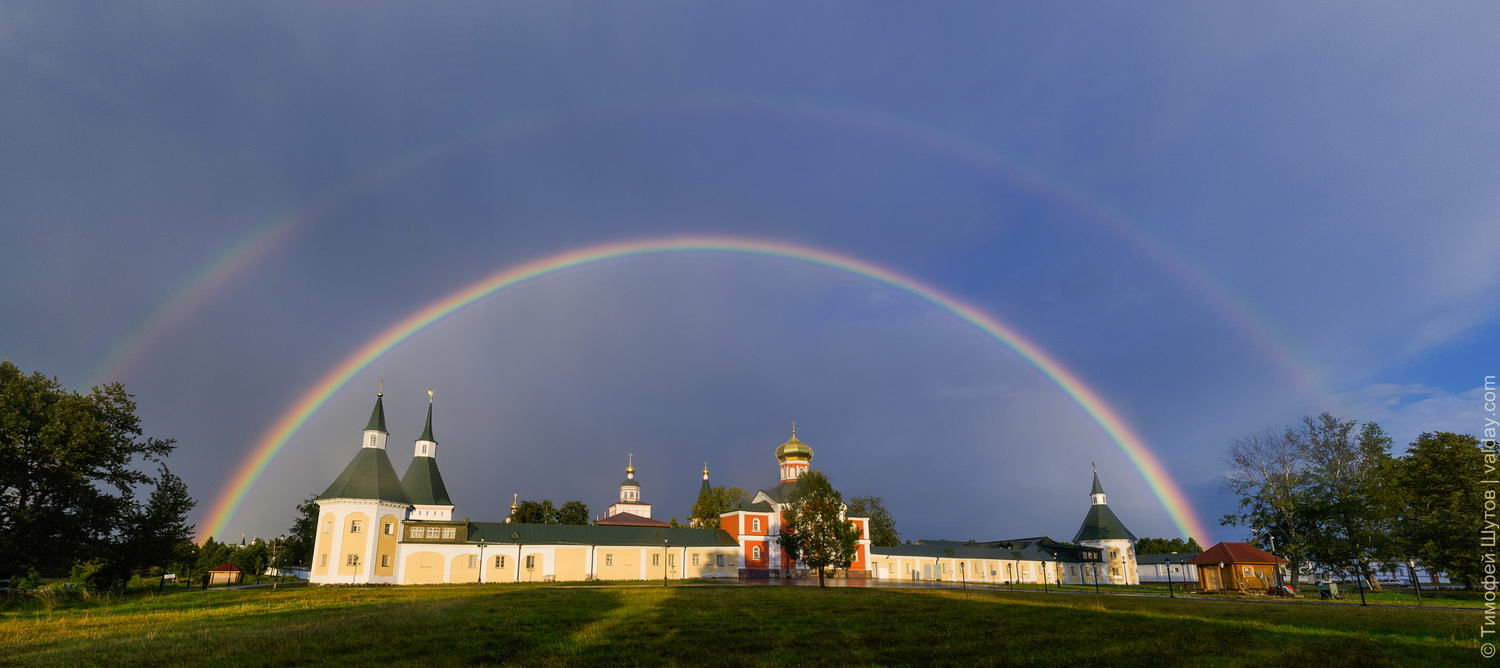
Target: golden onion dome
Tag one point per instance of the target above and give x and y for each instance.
(794, 450)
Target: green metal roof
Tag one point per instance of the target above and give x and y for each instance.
(758, 506)
(1176, 557)
(424, 484)
(592, 534)
(369, 476)
(630, 483)
(1101, 524)
(783, 492)
(377, 416)
(1098, 488)
(427, 430)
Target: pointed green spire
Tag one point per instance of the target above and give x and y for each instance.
(427, 430)
(377, 416)
(1098, 488)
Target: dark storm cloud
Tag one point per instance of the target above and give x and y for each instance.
(1328, 167)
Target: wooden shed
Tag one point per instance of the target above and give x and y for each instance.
(1240, 567)
(225, 574)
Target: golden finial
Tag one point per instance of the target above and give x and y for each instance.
(1094, 466)
(794, 429)
(380, 391)
(630, 462)
(705, 470)
(429, 396)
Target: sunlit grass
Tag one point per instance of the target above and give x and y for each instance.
(530, 624)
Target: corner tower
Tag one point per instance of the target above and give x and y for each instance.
(359, 515)
(1102, 529)
(423, 483)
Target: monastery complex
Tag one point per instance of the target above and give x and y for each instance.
(376, 528)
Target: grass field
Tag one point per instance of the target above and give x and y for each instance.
(531, 624)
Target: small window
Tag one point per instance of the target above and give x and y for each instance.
(390, 528)
(473, 561)
(530, 561)
(672, 560)
(351, 560)
(719, 560)
(434, 532)
(322, 560)
(695, 558)
(755, 524)
(328, 525)
(1248, 572)
(356, 526)
(609, 559)
(372, 440)
(655, 560)
(500, 561)
(450, 533)
(755, 553)
(385, 561)
(415, 532)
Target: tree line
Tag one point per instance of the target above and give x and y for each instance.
(83, 491)
(1330, 493)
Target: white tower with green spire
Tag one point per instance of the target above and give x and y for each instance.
(1103, 529)
(360, 514)
(423, 483)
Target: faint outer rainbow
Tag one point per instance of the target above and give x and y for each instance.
(271, 442)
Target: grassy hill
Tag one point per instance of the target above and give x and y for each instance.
(530, 624)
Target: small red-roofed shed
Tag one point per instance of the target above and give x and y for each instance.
(225, 574)
(1240, 567)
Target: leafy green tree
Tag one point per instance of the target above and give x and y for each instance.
(1440, 484)
(715, 502)
(1167, 545)
(298, 547)
(573, 512)
(1345, 484)
(70, 465)
(543, 512)
(814, 531)
(1268, 473)
(882, 526)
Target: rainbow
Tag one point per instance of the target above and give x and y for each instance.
(1166, 489)
(128, 352)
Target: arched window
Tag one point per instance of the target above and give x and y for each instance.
(755, 526)
(755, 551)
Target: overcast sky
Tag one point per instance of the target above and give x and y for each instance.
(1115, 182)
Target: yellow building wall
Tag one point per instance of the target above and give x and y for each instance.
(533, 574)
(423, 568)
(385, 545)
(459, 570)
(323, 557)
(626, 566)
(571, 564)
(505, 573)
(354, 543)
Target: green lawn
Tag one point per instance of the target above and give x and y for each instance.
(530, 624)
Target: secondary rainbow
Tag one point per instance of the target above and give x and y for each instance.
(285, 426)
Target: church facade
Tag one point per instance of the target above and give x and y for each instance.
(377, 528)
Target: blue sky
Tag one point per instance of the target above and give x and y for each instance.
(1331, 169)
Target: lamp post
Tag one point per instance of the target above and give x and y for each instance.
(1411, 569)
(1044, 574)
(664, 543)
(275, 559)
(963, 576)
(1096, 578)
(1170, 593)
(481, 560)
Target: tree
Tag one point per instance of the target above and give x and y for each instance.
(1345, 483)
(573, 512)
(882, 526)
(1268, 472)
(814, 530)
(715, 502)
(1166, 545)
(160, 528)
(543, 512)
(69, 468)
(1439, 481)
(303, 535)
